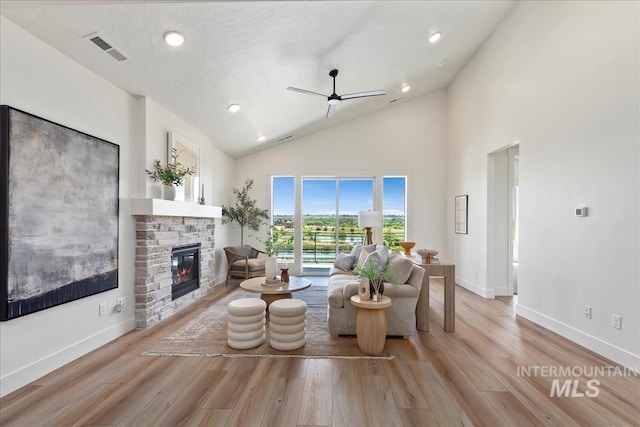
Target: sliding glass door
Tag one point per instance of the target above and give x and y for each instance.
(315, 218)
(330, 216)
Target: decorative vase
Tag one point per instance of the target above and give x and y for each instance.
(179, 193)
(271, 267)
(169, 192)
(407, 247)
(284, 275)
(363, 289)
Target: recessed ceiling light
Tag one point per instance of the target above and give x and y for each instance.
(173, 38)
(262, 138)
(434, 37)
(233, 108)
(406, 88)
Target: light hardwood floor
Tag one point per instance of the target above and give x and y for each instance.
(469, 377)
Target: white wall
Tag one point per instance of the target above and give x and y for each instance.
(562, 78)
(40, 80)
(406, 139)
(216, 167)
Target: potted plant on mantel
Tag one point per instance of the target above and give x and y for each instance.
(171, 176)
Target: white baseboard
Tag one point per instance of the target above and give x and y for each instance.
(502, 292)
(603, 348)
(220, 280)
(483, 292)
(26, 374)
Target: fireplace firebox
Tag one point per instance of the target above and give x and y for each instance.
(185, 271)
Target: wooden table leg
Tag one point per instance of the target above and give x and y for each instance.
(422, 309)
(269, 298)
(449, 299)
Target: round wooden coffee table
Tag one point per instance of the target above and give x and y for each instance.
(371, 324)
(270, 294)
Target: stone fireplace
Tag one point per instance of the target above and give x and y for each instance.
(174, 257)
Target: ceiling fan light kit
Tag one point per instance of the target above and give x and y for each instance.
(335, 99)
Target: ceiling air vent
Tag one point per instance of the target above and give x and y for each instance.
(106, 46)
(286, 137)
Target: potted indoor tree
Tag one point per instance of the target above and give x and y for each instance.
(244, 211)
(171, 176)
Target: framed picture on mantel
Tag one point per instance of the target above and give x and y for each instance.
(461, 214)
(188, 154)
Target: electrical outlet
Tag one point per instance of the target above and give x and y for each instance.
(102, 309)
(616, 321)
(587, 312)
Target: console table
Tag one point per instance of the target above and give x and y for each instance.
(448, 271)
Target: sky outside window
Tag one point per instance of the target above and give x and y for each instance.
(320, 196)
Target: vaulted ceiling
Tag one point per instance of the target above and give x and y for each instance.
(249, 52)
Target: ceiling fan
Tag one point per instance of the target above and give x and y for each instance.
(335, 99)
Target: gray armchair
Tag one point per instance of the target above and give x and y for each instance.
(243, 262)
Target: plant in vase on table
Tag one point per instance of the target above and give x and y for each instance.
(377, 275)
(271, 251)
(171, 176)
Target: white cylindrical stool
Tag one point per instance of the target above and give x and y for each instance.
(287, 324)
(246, 323)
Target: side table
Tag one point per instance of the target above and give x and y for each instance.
(371, 324)
(448, 271)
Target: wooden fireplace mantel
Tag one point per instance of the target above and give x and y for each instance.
(160, 207)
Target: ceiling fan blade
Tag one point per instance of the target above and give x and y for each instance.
(363, 94)
(295, 89)
(330, 110)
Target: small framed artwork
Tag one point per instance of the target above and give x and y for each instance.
(59, 207)
(462, 214)
(188, 154)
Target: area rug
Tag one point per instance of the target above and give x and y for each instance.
(206, 335)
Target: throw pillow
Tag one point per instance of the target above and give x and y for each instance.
(355, 251)
(381, 256)
(345, 262)
(363, 258)
(401, 268)
(359, 247)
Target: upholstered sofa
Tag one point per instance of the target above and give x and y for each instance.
(401, 316)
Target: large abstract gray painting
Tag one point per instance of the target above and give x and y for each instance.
(60, 227)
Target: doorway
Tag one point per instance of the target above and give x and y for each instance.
(502, 220)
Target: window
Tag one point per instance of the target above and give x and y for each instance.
(282, 217)
(329, 215)
(394, 190)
